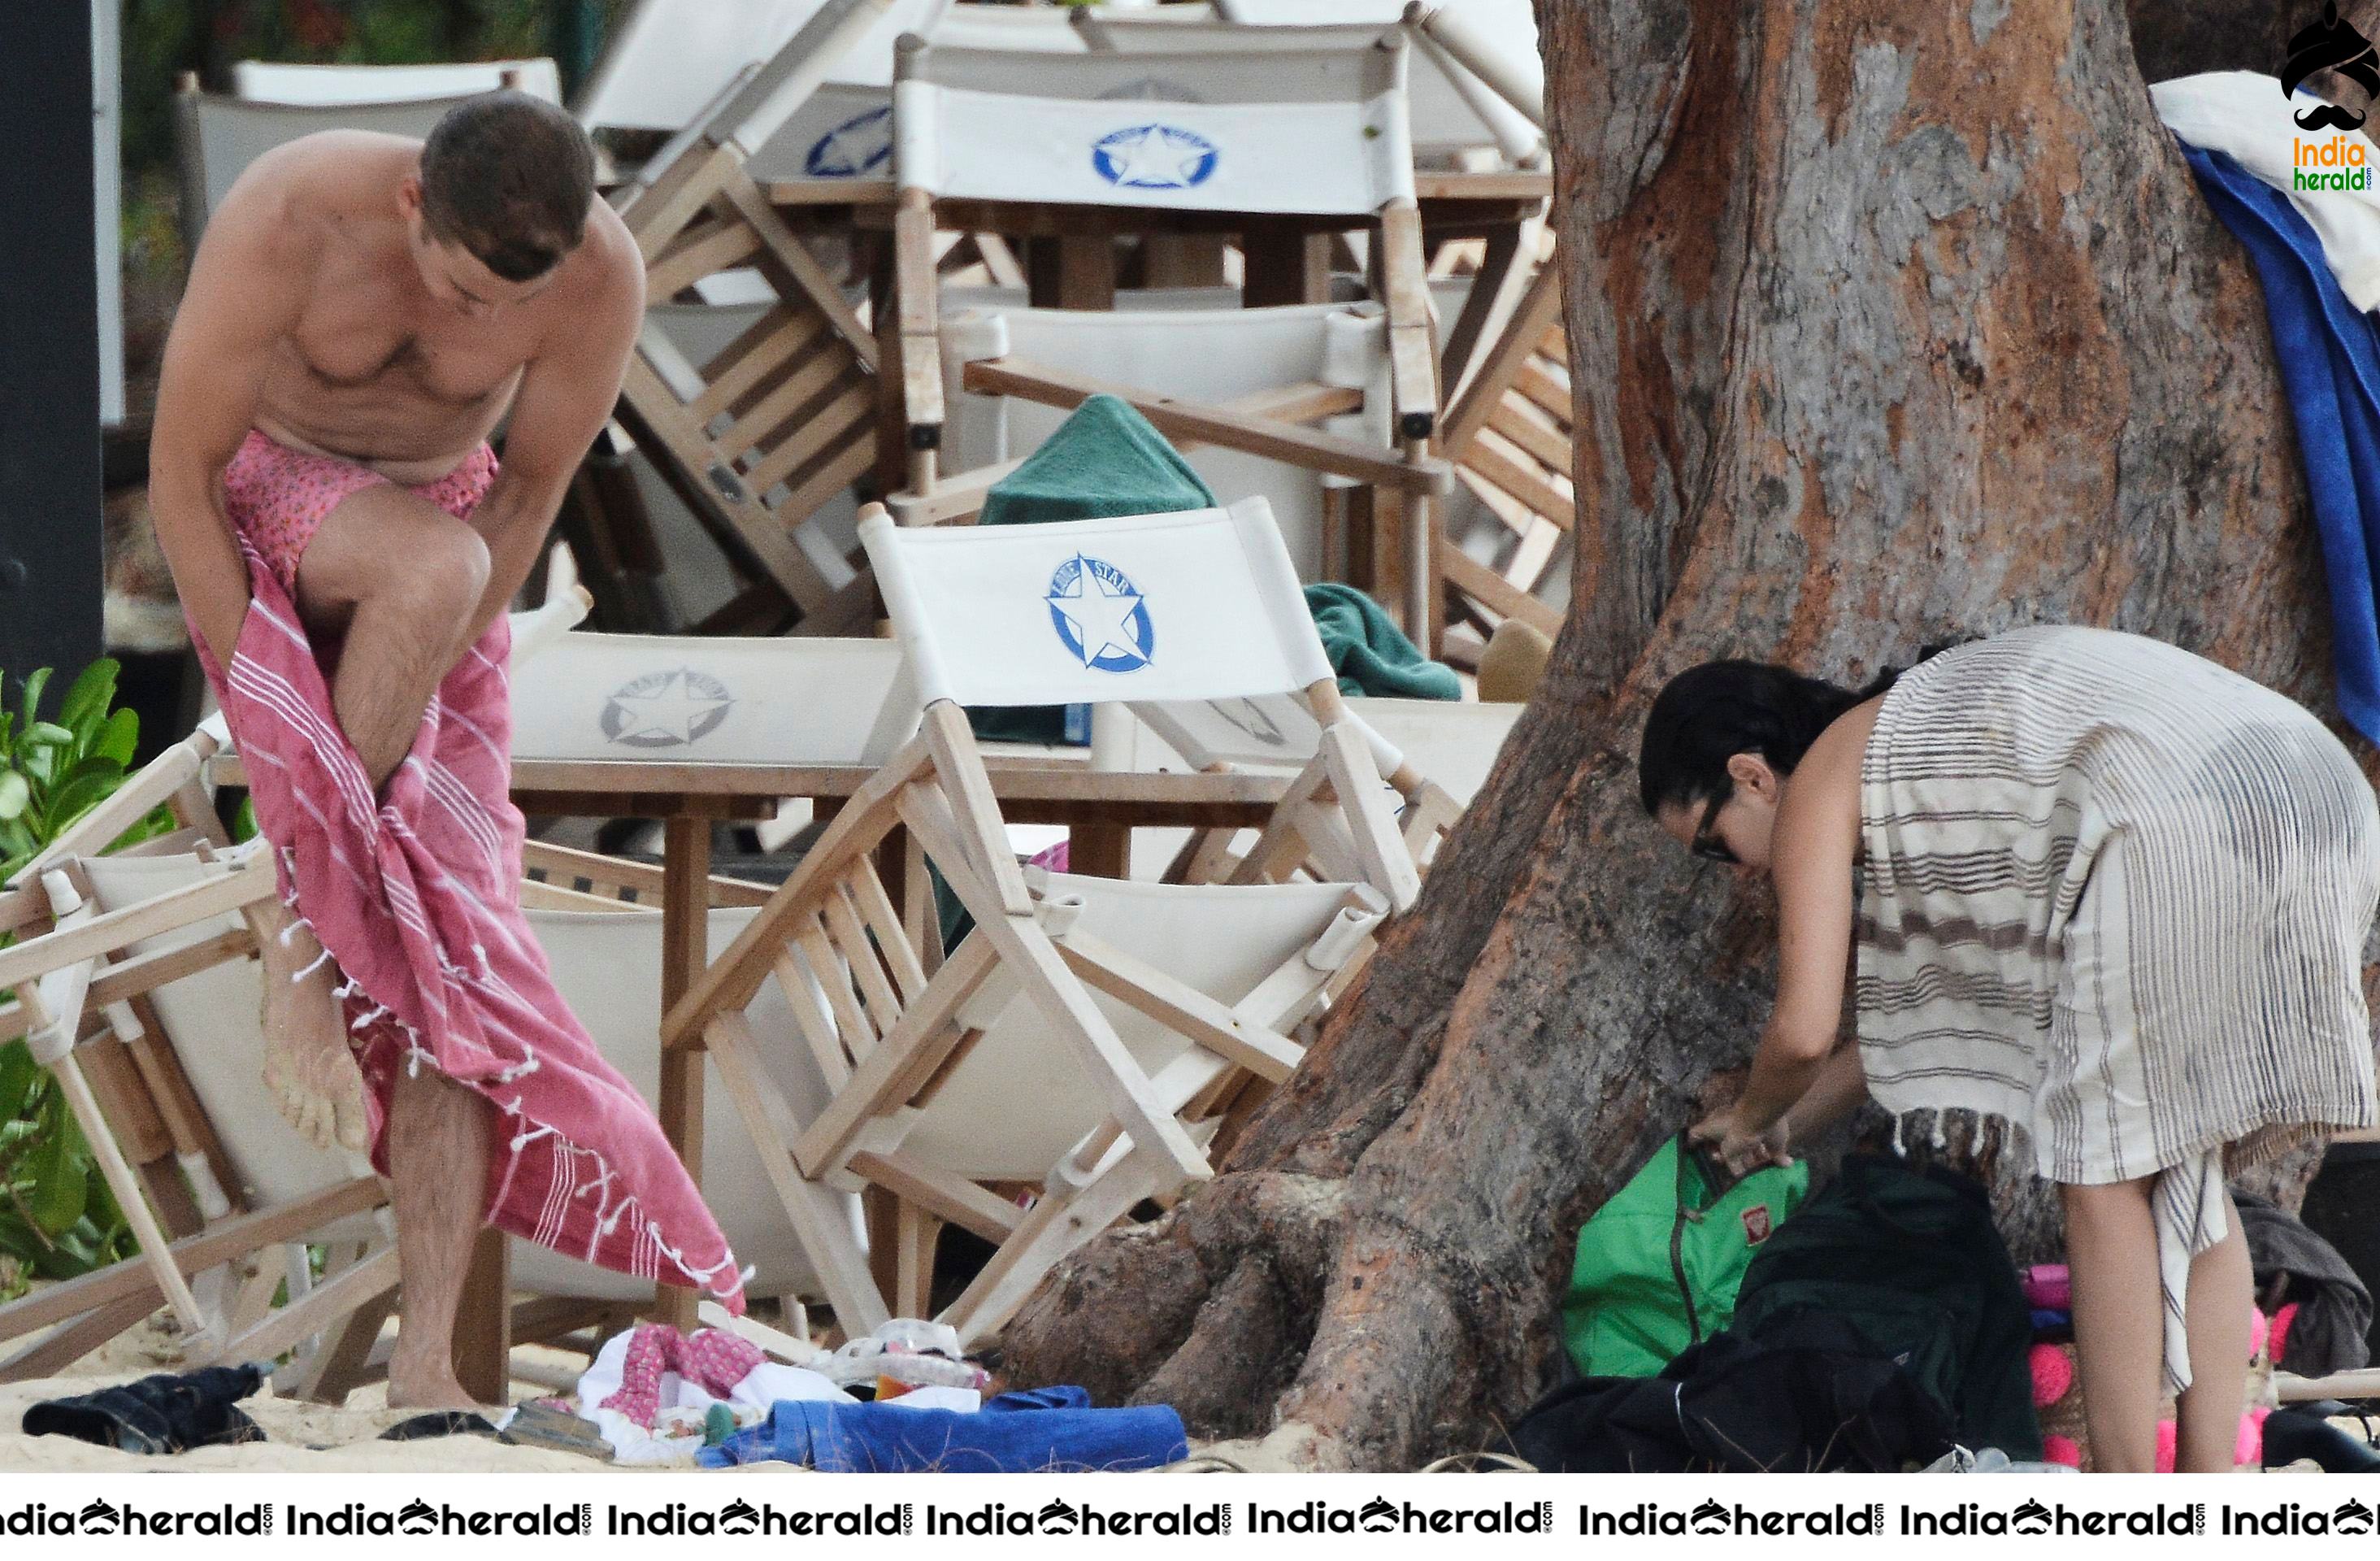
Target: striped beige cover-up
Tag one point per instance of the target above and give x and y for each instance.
(2116, 895)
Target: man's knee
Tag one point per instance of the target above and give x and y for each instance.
(448, 575)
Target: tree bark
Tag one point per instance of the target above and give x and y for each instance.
(1893, 321)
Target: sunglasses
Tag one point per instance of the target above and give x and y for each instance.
(1707, 844)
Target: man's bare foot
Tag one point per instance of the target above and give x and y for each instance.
(309, 1071)
(416, 1382)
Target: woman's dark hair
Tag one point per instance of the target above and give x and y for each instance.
(510, 178)
(1709, 714)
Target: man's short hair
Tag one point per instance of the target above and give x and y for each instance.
(510, 178)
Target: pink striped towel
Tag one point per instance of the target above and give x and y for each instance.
(418, 897)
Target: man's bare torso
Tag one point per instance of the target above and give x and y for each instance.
(376, 371)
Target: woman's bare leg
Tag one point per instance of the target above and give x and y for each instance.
(2221, 1291)
(2118, 1320)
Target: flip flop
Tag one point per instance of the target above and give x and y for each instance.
(440, 1422)
(543, 1425)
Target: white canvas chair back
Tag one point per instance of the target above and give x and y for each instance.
(1220, 942)
(1286, 131)
(325, 85)
(220, 136)
(670, 58)
(1453, 113)
(682, 698)
(1202, 354)
(1203, 604)
(607, 965)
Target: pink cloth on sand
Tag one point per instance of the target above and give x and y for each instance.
(417, 896)
(711, 1358)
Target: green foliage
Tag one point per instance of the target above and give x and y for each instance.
(56, 1217)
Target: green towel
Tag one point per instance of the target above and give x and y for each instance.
(1370, 654)
(1102, 461)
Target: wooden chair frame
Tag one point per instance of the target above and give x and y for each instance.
(888, 1036)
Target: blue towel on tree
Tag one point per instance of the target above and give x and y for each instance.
(1049, 1429)
(2329, 354)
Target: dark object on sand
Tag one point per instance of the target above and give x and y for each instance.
(2294, 1263)
(2343, 1207)
(165, 1413)
(440, 1422)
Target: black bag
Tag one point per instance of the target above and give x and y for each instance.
(1912, 1261)
(1877, 1325)
(1813, 1398)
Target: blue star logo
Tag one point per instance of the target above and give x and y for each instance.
(1154, 157)
(859, 144)
(1101, 616)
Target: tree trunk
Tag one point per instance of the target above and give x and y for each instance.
(1892, 321)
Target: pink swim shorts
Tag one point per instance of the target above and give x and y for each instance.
(279, 498)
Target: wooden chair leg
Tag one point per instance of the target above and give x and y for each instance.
(916, 1234)
(483, 1321)
(1062, 1221)
(338, 1363)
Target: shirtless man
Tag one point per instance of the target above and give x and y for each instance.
(363, 311)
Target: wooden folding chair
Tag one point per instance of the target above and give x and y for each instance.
(1510, 429)
(1509, 438)
(768, 429)
(1085, 1037)
(1070, 149)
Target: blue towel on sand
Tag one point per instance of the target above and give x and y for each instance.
(1047, 1429)
(2329, 355)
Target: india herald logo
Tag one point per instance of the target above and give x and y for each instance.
(858, 145)
(1155, 157)
(671, 709)
(1101, 616)
(2331, 45)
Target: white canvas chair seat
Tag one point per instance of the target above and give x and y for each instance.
(1219, 942)
(1433, 755)
(326, 85)
(1218, 357)
(210, 1017)
(1089, 1034)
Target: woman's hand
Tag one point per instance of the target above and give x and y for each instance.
(1741, 1150)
